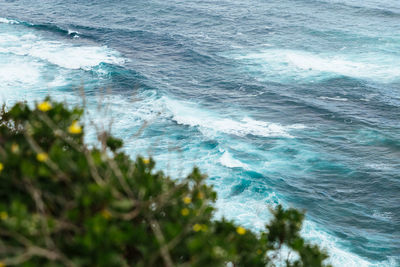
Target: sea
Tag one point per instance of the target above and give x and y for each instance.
(291, 102)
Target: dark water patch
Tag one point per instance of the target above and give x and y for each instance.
(121, 79)
(239, 188)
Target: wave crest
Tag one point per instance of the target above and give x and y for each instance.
(210, 122)
(8, 21)
(280, 65)
(64, 55)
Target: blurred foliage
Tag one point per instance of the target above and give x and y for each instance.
(65, 204)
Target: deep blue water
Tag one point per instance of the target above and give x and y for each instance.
(283, 101)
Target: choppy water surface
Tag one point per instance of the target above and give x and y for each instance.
(291, 102)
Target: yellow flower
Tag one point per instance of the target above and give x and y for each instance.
(42, 157)
(106, 214)
(200, 227)
(2, 264)
(74, 128)
(44, 106)
(146, 161)
(14, 148)
(185, 212)
(3, 215)
(197, 227)
(259, 251)
(200, 195)
(240, 230)
(187, 200)
(1, 166)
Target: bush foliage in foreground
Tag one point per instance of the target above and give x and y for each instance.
(65, 204)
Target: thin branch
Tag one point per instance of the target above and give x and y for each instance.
(161, 240)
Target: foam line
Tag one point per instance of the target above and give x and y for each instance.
(8, 21)
(208, 122)
(228, 161)
(282, 65)
(61, 54)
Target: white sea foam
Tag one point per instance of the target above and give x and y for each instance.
(31, 64)
(228, 161)
(72, 32)
(17, 79)
(62, 54)
(254, 213)
(248, 209)
(19, 73)
(337, 255)
(75, 57)
(8, 21)
(245, 208)
(208, 122)
(379, 166)
(57, 82)
(294, 65)
(336, 98)
(383, 216)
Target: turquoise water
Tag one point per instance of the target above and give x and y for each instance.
(290, 102)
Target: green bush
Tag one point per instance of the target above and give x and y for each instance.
(63, 203)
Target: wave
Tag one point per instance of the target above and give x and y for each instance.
(76, 57)
(244, 207)
(31, 64)
(73, 33)
(54, 29)
(209, 123)
(46, 27)
(338, 256)
(254, 213)
(280, 65)
(383, 216)
(336, 98)
(248, 210)
(58, 53)
(8, 21)
(228, 161)
(14, 73)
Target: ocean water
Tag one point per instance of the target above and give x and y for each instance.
(292, 102)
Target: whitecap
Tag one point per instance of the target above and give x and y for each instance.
(62, 54)
(282, 65)
(383, 216)
(17, 73)
(336, 98)
(228, 161)
(8, 21)
(79, 57)
(209, 122)
(337, 255)
(74, 34)
(379, 166)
